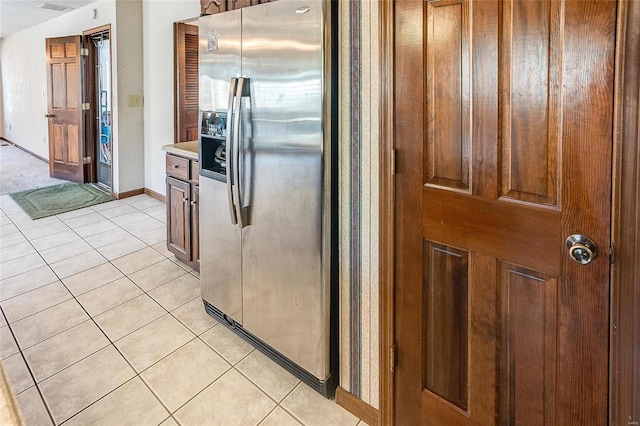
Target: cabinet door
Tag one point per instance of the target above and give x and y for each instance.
(239, 4)
(210, 7)
(195, 225)
(178, 218)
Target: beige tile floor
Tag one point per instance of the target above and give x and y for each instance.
(101, 324)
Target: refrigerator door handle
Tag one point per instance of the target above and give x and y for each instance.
(240, 92)
(233, 83)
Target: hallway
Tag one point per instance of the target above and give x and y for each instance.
(20, 170)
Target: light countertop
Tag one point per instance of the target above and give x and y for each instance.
(183, 149)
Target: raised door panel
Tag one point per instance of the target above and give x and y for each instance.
(57, 51)
(448, 89)
(178, 214)
(531, 78)
(59, 95)
(74, 145)
(58, 143)
(192, 132)
(445, 319)
(73, 90)
(528, 316)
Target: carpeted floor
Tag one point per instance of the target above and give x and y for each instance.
(20, 171)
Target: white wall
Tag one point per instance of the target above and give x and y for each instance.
(24, 78)
(159, 87)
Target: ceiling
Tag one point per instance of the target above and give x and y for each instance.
(17, 15)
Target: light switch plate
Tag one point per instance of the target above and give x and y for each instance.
(133, 100)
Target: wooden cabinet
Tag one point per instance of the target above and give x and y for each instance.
(239, 4)
(182, 209)
(209, 7)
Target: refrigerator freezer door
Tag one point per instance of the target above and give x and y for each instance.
(220, 239)
(219, 58)
(220, 254)
(285, 289)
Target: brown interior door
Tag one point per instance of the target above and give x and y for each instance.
(187, 82)
(503, 115)
(64, 88)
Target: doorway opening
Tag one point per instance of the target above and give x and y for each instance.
(79, 107)
(101, 44)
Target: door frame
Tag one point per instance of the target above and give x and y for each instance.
(387, 211)
(624, 380)
(625, 279)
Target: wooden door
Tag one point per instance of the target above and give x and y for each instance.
(186, 54)
(503, 117)
(64, 88)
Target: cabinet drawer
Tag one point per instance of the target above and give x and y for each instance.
(195, 172)
(178, 167)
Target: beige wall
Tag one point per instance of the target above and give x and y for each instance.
(128, 171)
(359, 200)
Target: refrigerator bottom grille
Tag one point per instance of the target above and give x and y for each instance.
(325, 387)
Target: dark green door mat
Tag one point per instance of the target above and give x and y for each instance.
(56, 199)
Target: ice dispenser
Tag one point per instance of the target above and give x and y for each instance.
(213, 132)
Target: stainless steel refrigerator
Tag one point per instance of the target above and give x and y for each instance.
(268, 193)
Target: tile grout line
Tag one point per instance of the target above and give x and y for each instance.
(278, 403)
